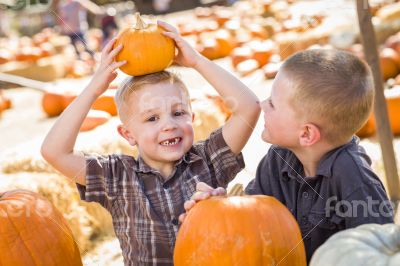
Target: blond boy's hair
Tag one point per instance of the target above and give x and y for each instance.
(132, 84)
(333, 89)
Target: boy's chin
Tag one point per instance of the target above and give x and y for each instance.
(176, 156)
(265, 137)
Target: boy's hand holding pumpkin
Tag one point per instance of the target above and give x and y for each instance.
(203, 191)
(106, 71)
(187, 56)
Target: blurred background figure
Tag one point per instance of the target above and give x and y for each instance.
(108, 25)
(161, 6)
(72, 18)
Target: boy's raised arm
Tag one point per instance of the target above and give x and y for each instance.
(58, 146)
(243, 102)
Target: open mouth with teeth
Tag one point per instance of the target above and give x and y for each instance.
(170, 142)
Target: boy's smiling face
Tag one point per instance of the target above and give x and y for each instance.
(282, 122)
(160, 123)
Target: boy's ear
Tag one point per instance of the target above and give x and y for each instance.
(310, 134)
(193, 116)
(126, 134)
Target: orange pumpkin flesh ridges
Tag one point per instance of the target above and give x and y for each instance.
(246, 230)
(34, 232)
(145, 49)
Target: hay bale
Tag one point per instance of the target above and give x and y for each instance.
(45, 69)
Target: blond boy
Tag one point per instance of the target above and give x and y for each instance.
(319, 99)
(146, 195)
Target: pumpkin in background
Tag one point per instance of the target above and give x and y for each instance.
(390, 63)
(368, 244)
(94, 119)
(240, 54)
(145, 48)
(262, 51)
(5, 56)
(106, 103)
(239, 230)
(54, 103)
(225, 41)
(368, 129)
(34, 232)
(393, 105)
(5, 103)
(209, 48)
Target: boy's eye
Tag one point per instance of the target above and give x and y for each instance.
(270, 103)
(152, 118)
(179, 113)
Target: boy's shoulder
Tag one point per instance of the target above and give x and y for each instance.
(111, 161)
(349, 168)
(211, 145)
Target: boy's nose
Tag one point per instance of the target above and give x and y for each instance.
(262, 104)
(169, 124)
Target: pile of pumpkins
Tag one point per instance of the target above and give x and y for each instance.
(389, 56)
(18, 53)
(252, 33)
(26, 49)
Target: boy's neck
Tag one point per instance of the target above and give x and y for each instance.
(165, 168)
(310, 157)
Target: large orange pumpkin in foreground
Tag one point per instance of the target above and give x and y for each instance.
(240, 230)
(145, 48)
(33, 232)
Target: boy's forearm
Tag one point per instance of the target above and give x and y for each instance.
(62, 136)
(236, 95)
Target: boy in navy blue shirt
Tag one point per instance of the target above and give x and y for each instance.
(319, 99)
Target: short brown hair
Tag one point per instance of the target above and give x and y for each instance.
(332, 88)
(131, 84)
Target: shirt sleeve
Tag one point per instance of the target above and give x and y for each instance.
(368, 204)
(102, 178)
(223, 163)
(260, 184)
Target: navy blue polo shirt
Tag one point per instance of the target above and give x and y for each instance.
(344, 193)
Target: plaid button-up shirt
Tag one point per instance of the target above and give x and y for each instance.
(144, 206)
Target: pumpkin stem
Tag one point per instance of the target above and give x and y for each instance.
(140, 24)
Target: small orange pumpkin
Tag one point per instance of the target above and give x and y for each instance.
(54, 103)
(393, 106)
(239, 230)
(34, 232)
(94, 119)
(145, 49)
(368, 129)
(390, 63)
(106, 103)
(240, 54)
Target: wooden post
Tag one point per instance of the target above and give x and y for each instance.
(385, 134)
